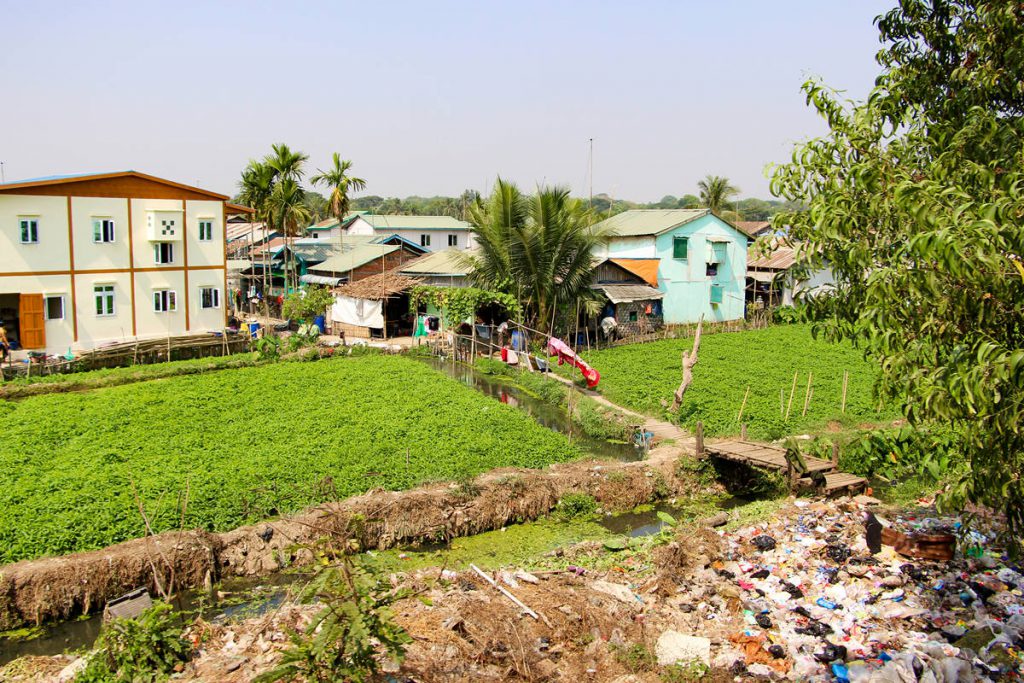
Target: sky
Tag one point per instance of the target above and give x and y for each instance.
(428, 97)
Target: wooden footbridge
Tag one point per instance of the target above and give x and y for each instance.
(802, 471)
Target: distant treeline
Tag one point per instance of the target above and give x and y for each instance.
(751, 209)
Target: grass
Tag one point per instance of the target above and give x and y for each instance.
(644, 376)
(248, 444)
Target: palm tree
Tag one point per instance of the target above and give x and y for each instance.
(716, 192)
(289, 212)
(255, 188)
(538, 248)
(287, 165)
(340, 183)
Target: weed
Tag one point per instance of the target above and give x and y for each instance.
(467, 489)
(684, 672)
(575, 505)
(636, 657)
(147, 648)
(345, 640)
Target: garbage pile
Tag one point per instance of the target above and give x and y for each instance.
(818, 605)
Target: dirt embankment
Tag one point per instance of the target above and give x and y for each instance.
(34, 591)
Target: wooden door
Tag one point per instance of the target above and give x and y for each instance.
(32, 327)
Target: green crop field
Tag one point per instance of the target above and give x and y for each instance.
(641, 376)
(248, 443)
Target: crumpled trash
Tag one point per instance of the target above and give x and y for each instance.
(763, 542)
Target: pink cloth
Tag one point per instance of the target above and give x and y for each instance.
(557, 347)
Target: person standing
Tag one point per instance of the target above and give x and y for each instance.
(5, 344)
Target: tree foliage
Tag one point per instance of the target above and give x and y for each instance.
(340, 183)
(460, 303)
(716, 192)
(537, 248)
(916, 198)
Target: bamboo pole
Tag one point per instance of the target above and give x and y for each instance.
(782, 401)
(789, 406)
(739, 418)
(807, 394)
(846, 381)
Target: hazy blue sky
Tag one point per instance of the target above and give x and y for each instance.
(427, 97)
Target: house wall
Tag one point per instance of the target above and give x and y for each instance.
(438, 238)
(686, 285)
(67, 262)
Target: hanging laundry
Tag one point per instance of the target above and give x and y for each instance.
(557, 347)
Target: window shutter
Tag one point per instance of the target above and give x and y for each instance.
(172, 301)
(156, 301)
(680, 247)
(97, 230)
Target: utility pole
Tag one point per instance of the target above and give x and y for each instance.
(591, 172)
(3, 177)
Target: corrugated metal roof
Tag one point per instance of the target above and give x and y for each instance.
(644, 268)
(780, 258)
(358, 255)
(445, 262)
(753, 228)
(310, 279)
(643, 222)
(620, 294)
(401, 222)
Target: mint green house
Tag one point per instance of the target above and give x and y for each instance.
(701, 260)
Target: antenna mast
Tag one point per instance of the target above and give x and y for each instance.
(591, 173)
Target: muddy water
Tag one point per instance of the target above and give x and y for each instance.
(647, 522)
(239, 598)
(553, 417)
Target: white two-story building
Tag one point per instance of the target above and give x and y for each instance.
(89, 259)
(433, 233)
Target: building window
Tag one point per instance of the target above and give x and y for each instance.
(424, 240)
(453, 240)
(104, 299)
(633, 316)
(102, 230)
(54, 309)
(206, 231)
(712, 270)
(163, 252)
(165, 301)
(209, 297)
(680, 247)
(716, 294)
(29, 230)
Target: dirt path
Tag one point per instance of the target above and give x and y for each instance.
(663, 431)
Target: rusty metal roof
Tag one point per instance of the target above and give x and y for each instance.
(619, 294)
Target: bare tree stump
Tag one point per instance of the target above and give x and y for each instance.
(689, 360)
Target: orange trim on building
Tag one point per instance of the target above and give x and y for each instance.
(71, 272)
(131, 267)
(184, 249)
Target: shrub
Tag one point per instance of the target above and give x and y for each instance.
(575, 505)
(144, 649)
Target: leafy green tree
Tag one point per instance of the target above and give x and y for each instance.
(716, 192)
(255, 188)
(316, 203)
(287, 199)
(688, 201)
(289, 213)
(915, 202)
(538, 248)
(340, 183)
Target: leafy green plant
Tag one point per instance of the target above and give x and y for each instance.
(253, 442)
(642, 376)
(458, 304)
(347, 638)
(636, 658)
(307, 303)
(899, 453)
(787, 315)
(267, 348)
(688, 672)
(575, 505)
(147, 648)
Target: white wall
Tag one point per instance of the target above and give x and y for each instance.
(51, 253)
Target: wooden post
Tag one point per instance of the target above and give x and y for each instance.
(739, 418)
(472, 344)
(789, 406)
(807, 394)
(846, 380)
(782, 402)
(835, 455)
(743, 431)
(699, 436)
